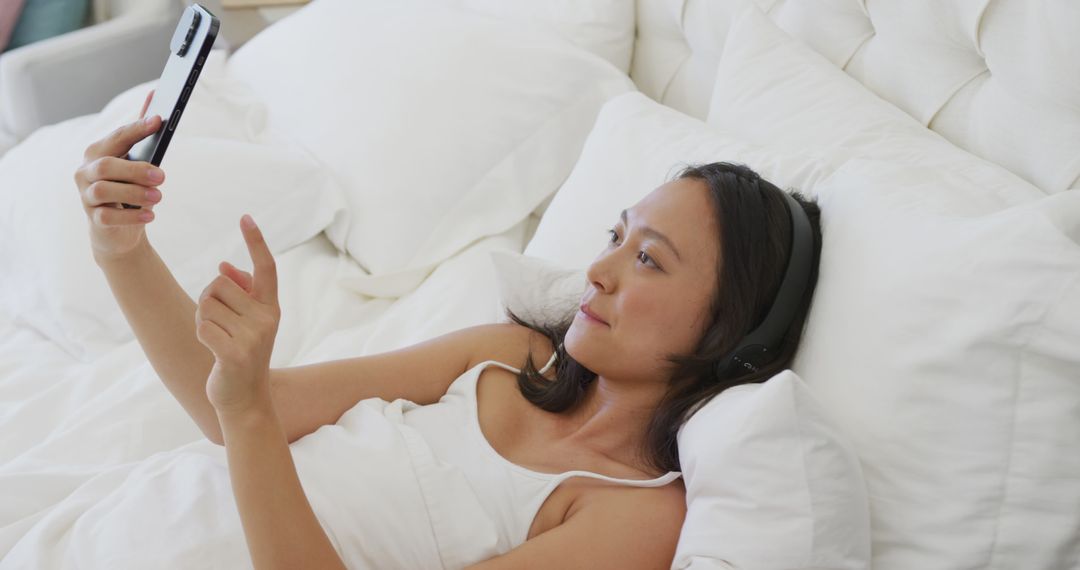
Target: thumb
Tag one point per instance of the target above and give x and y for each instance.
(120, 141)
(241, 277)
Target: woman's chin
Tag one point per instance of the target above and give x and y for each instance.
(577, 341)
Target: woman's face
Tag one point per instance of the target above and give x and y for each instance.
(652, 285)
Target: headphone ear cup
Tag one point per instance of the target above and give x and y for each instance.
(751, 358)
(744, 359)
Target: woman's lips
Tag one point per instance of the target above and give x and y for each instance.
(590, 316)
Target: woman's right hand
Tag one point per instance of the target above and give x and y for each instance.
(108, 179)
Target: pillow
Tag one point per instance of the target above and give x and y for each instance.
(635, 146)
(773, 90)
(603, 27)
(946, 346)
(445, 126)
(461, 292)
(770, 483)
(536, 290)
(222, 163)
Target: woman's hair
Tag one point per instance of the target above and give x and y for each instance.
(755, 240)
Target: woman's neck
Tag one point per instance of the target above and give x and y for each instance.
(611, 420)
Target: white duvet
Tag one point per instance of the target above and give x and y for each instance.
(364, 478)
(101, 468)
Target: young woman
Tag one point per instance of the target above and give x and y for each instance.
(586, 443)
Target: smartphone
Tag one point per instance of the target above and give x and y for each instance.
(190, 45)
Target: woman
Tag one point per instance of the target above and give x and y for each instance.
(688, 272)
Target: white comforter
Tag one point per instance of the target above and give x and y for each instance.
(101, 467)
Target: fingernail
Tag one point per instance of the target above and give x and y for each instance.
(146, 216)
(247, 222)
(156, 175)
(148, 120)
(153, 194)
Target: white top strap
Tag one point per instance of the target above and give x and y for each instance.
(550, 363)
(657, 482)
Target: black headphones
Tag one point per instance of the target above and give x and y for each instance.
(755, 349)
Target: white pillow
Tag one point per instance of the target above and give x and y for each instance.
(635, 146)
(443, 127)
(770, 483)
(537, 290)
(946, 347)
(603, 27)
(222, 163)
(773, 90)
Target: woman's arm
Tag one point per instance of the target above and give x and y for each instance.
(314, 395)
(239, 329)
(163, 318)
(280, 528)
(157, 308)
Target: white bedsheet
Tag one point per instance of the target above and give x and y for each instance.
(78, 439)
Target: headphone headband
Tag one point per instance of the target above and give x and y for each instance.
(756, 348)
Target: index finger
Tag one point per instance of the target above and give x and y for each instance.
(146, 104)
(264, 285)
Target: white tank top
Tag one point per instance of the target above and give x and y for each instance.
(511, 494)
(402, 485)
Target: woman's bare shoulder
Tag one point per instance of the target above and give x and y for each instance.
(618, 526)
(670, 497)
(664, 507)
(511, 343)
(622, 527)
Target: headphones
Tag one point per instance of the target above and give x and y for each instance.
(755, 349)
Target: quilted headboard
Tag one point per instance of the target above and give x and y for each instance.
(999, 78)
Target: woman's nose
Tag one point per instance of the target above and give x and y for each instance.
(598, 273)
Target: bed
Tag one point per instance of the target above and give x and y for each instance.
(931, 418)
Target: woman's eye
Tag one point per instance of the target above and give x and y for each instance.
(641, 256)
(644, 257)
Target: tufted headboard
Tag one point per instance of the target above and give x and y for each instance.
(999, 78)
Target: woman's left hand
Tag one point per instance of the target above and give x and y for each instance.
(237, 319)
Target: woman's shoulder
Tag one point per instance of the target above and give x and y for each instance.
(624, 514)
(670, 496)
(512, 344)
(598, 495)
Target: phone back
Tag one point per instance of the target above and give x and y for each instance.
(188, 49)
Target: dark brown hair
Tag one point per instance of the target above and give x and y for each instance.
(755, 237)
